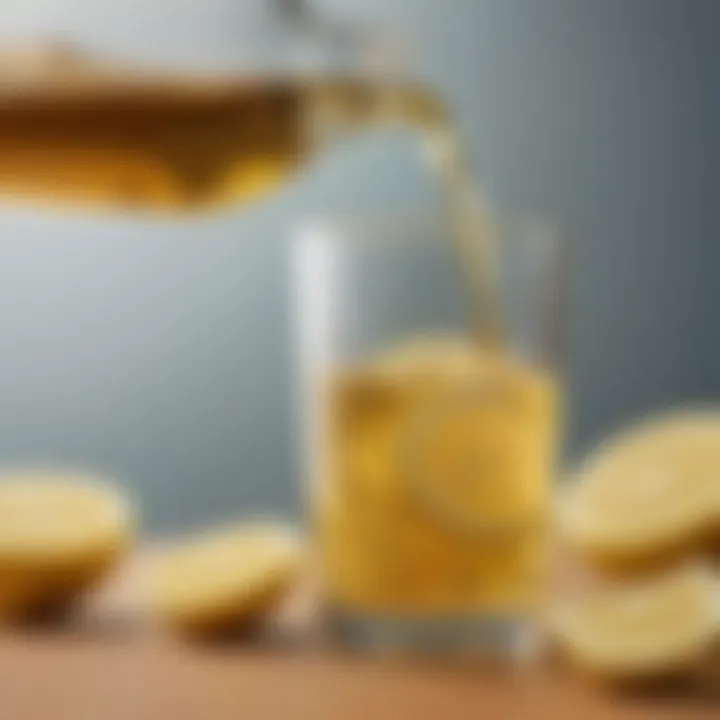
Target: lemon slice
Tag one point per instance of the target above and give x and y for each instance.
(644, 629)
(649, 495)
(225, 578)
(479, 453)
(58, 535)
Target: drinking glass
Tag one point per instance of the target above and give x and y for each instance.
(430, 457)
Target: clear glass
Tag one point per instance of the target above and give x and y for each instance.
(430, 459)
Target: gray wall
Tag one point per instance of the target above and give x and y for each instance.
(159, 351)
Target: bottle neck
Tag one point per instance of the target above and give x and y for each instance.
(337, 107)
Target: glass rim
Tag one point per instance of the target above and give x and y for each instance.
(544, 245)
(400, 227)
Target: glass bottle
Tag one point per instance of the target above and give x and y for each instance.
(95, 129)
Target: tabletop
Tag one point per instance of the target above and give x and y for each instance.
(105, 667)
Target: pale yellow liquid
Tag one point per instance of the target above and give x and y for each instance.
(434, 485)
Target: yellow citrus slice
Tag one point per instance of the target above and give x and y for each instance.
(646, 628)
(649, 495)
(221, 579)
(479, 452)
(58, 535)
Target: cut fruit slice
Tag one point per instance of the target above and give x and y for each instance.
(226, 578)
(646, 629)
(479, 454)
(648, 496)
(58, 535)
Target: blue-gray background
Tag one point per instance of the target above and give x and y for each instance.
(160, 352)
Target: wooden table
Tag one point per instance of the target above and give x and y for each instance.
(107, 669)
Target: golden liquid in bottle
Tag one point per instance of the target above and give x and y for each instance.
(435, 471)
(150, 146)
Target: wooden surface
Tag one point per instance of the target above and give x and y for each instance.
(108, 669)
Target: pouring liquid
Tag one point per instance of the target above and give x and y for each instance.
(79, 132)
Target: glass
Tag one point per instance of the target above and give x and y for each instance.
(430, 459)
